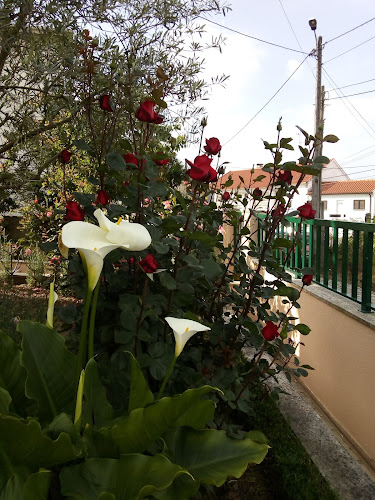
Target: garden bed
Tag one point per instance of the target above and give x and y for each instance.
(287, 472)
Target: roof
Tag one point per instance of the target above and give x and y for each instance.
(248, 177)
(349, 187)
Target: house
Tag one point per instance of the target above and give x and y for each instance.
(331, 171)
(349, 200)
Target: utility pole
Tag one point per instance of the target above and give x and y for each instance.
(319, 108)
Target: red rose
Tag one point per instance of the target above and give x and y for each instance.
(146, 113)
(286, 176)
(74, 211)
(270, 331)
(148, 264)
(105, 103)
(201, 169)
(279, 210)
(307, 279)
(102, 197)
(257, 193)
(306, 211)
(126, 183)
(212, 146)
(226, 196)
(65, 156)
(130, 158)
(160, 163)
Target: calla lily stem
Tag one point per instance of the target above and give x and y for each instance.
(92, 321)
(166, 378)
(83, 335)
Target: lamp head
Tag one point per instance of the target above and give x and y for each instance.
(313, 24)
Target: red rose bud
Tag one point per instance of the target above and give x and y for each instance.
(270, 331)
(306, 211)
(65, 156)
(279, 210)
(149, 264)
(307, 279)
(105, 103)
(286, 176)
(74, 211)
(102, 197)
(226, 196)
(160, 163)
(130, 158)
(201, 169)
(126, 183)
(146, 113)
(212, 146)
(257, 193)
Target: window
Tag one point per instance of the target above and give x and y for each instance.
(359, 204)
(325, 205)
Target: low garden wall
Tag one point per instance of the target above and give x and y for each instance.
(341, 348)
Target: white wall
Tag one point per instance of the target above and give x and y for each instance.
(341, 206)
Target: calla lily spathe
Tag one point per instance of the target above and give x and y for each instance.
(94, 243)
(183, 330)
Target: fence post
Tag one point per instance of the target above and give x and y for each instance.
(367, 271)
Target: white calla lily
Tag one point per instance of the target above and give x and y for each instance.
(183, 330)
(94, 243)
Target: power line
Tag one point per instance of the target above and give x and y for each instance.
(360, 166)
(252, 37)
(355, 154)
(295, 36)
(349, 50)
(269, 100)
(367, 155)
(352, 105)
(349, 31)
(350, 95)
(360, 172)
(353, 85)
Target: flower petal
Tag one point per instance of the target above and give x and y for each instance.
(94, 264)
(85, 236)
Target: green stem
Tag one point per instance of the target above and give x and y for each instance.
(92, 320)
(166, 378)
(82, 338)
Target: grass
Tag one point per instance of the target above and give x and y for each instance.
(287, 471)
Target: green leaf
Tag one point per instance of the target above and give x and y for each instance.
(330, 138)
(116, 161)
(131, 477)
(50, 368)
(198, 236)
(211, 268)
(282, 243)
(140, 394)
(210, 455)
(37, 485)
(5, 401)
(125, 145)
(13, 375)
(321, 159)
(167, 281)
(183, 488)
(97, 410)
(23, 445)
(303, 329)
(185, 409)
(288, 291)
(257, 436)
(83, 146)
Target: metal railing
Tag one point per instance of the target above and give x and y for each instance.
(341, 254)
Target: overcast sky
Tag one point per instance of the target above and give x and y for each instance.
(257, 70)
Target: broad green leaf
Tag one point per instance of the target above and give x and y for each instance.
(303, 329)
(140, 394)
(210, 455)
(37, 485)
(131, 477)
(23, 446)
(116, 161)
(133, 434)
(321, 159)
(13, 375)
(167, 281)
(96, 408)
(183, 487)
(125, 145)
(5, 401)
(203, 237)
(83, 146)
(50, 367)
(282, 243)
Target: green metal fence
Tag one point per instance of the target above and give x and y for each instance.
(341, 253)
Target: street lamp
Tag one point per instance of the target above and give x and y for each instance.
(313, 24)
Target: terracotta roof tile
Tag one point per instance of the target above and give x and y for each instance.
(349, 187)
(246, 174)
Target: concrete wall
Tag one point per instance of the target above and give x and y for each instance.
(342, 205)
(341, 348)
